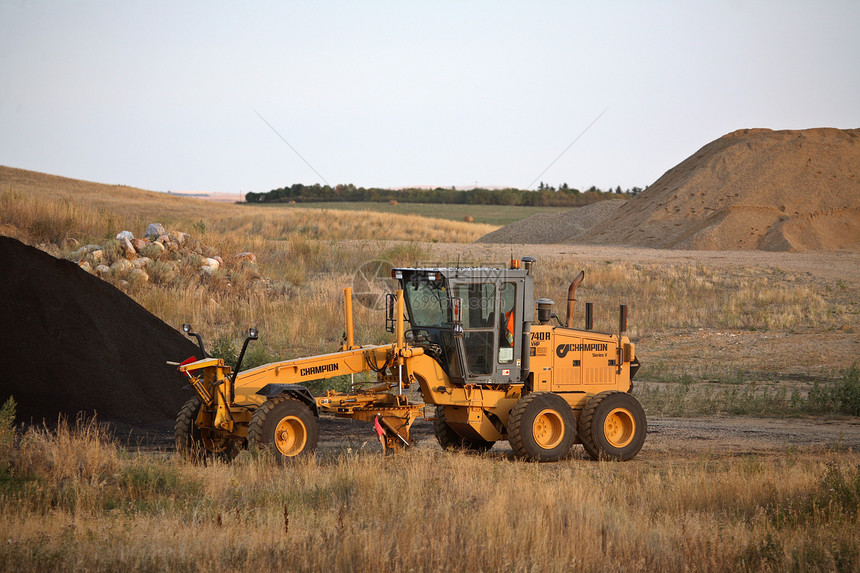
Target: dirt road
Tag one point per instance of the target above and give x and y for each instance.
(667, 437)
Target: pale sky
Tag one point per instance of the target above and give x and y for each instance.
(165, 95)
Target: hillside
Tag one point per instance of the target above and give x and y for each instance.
(753, 189)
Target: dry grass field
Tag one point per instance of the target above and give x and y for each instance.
(761, 335)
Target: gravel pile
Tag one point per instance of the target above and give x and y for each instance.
(73, 343)
(546, 228)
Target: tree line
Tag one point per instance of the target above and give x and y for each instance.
(544, 196)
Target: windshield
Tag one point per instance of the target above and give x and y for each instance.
(427, 303)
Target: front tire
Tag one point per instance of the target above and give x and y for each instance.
(200, 445)
(541, 427)
(613, 426)
(451, 440)
(284, 426)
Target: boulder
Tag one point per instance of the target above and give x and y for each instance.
(120, 266)
(138, 275)
(85, 250)
(139, 244)
(152, 250)
(128, 249)
(210, 266)
(85, 265)
(102, 270)
(125, 236)
(154, 230)
(219, 259)
(140, 262)
(71, 243)
(97, 255)
(246, 256)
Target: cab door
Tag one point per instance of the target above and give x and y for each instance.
(491, 343)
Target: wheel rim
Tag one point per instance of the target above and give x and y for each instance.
(548, 429)
(619, 427)
(290, 436)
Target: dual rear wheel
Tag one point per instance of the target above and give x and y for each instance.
(542, 427)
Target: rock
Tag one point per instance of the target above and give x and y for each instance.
(128, 249)
(71, 243)
(138, 275)
(219, 259)
(179, 238)
(469, 219)
(85, 250)
(97, 255)
(154, 230)
(210, 266)
(152, 250)
(246, 256)
(120, 266)
(139, 244)
(123, 284)
(167, 242)
(102, 270)
(85, 265)
(166, 272)
(140, 262)
(125, 236)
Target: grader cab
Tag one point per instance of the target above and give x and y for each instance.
(470, 340)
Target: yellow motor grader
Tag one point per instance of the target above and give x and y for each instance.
(471, 341)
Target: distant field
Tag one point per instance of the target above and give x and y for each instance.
(489, 214)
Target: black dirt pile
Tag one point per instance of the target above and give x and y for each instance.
(73, 343)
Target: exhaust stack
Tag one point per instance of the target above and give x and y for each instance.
(571, 297)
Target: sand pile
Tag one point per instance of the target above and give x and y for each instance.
(751, 189)
(71, 342)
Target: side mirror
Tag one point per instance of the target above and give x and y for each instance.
(186, 328)
(252, 333)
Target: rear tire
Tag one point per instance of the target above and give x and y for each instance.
(541, 427)
(284, 426)
(198, 445)
(451, 440)
(613, 426)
